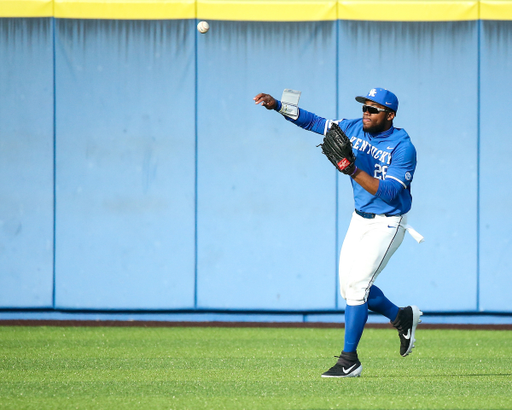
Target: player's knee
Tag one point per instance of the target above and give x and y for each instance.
(353, 293)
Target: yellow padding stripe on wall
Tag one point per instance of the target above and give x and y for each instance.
(26, 8)
(407, 10)
(267, 10)
(263, 10)
(126, 9)
(496, 10)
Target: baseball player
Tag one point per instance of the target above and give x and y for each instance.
(380, 161)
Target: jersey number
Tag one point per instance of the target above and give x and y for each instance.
(380, 171)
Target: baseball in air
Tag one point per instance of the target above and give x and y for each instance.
(203, 27)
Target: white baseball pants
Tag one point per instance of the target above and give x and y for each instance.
(366, 250)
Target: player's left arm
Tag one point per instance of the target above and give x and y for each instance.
(398, 176)
(368, 182)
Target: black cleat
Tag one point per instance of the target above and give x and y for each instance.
(406, 322)
(348, 365)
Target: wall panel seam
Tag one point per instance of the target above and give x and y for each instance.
(53, 28)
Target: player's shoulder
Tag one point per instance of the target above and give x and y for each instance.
(402, 144)
(400, 133)
(351, 125)
(401, 137)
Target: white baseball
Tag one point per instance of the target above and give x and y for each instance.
(203, 27)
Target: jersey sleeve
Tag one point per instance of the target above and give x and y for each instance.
(307, 120)
(403, 164)
(388, 189)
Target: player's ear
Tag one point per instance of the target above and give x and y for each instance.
(391, 115)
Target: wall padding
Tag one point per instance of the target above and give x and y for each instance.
(125, 156)
(26, 163)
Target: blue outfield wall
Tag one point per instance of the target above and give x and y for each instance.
(125, 173)
(495, 148)
(138, 175)
(266, 210)
(26, 163)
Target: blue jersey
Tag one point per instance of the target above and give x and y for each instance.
(389, 156)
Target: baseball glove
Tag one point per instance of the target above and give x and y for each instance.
(338, 148)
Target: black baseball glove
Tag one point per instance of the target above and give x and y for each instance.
(338, 148)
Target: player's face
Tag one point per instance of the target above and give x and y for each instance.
(378, 122)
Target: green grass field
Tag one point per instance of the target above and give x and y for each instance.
(248, 368)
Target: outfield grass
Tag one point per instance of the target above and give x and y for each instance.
(248, 368)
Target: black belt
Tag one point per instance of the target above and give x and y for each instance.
(369, 215)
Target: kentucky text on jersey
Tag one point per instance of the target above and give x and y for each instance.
(361, 145)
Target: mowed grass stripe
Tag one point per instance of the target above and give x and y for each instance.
(251, 368)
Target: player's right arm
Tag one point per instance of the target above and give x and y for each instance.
(306, 119)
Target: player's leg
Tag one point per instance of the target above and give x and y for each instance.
(405, 320)
(379, 303)
(348, 364)
(376, 240)
(355, 319)
(356, 314)
(356, 311)
(367, 248)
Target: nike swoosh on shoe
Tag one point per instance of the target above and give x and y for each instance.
(408, 335)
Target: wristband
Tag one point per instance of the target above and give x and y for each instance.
(355, 170)
(290, 103)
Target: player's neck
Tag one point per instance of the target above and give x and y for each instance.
(383, 132)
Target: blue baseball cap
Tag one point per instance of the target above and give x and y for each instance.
(381, 96)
